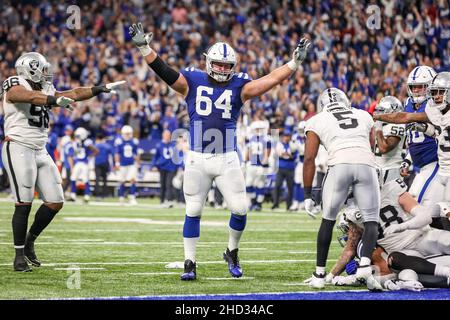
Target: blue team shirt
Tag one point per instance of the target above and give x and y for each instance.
(165, 156)
(82, 151)
(52, 144)
(257, 146)
(215, 106)
(423, 148)
(105, 150)
(127, 150)
(288, 164)
(69, 152)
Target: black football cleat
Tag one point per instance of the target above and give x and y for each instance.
(190, 271)
(231, 257)
(30, 255)
(21, 265)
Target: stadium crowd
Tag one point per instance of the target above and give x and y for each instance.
(349, 52)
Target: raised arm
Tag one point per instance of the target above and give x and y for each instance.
(173, 78)
(402, 117)
(84, 93)
(260, 86)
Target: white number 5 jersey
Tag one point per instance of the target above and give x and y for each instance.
(345, 134)
(25, 123)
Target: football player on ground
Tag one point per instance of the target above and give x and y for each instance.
(434, 121)
(214, 99)
(257, 158)
(347, 134)
(27, 99)
(389, 140)
(127, 159)
(404, 234)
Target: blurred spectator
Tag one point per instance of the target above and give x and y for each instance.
(163, 161)
(102, 164)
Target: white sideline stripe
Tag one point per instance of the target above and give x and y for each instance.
(228, 278)
(138, 220)
(85, 240)
(54, 264)
(152, 273)
(295, 284)
(76, 268)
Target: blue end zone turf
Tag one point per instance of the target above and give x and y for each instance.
(430, 294)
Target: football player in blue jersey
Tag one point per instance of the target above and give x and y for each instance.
(84, 149)
(127, 160)
(214, 99)
(422, 147)
(257, 157)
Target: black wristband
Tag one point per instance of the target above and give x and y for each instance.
(51, 101)
(96, 90)
(307, 192)
(165, 72)
(407, 161)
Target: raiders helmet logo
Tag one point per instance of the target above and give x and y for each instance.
(34, 64)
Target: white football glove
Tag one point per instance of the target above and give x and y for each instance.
(391, 285)
(141, 39)
(411, 285)
(394, 228)
(65, 102)
(346, 280)
(112, 85)
(329, 278)
(310, 208)
(299, 54)
(378, 125)
(426, 128)
(107, 88)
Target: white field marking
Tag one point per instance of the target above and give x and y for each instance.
(55, 264)
(86, 240)
(295, 284)
(252, 249)
(229, 278)
(152, 273)
(76, 268)
(139, 220)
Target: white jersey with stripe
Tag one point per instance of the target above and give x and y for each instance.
(442, 124)
(392, 159)
(25, 123)
(345, 135)
(392, 213)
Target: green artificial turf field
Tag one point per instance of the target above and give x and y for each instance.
(105, 250)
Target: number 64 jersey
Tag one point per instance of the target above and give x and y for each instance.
(25, 123)
(345, 134)
(214, 109)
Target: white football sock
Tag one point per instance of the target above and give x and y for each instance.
(234, 238)
(190, 248)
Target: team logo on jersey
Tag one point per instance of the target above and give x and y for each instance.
(34, 64)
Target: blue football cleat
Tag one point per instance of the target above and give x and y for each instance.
(190, 272)
(231, 257)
